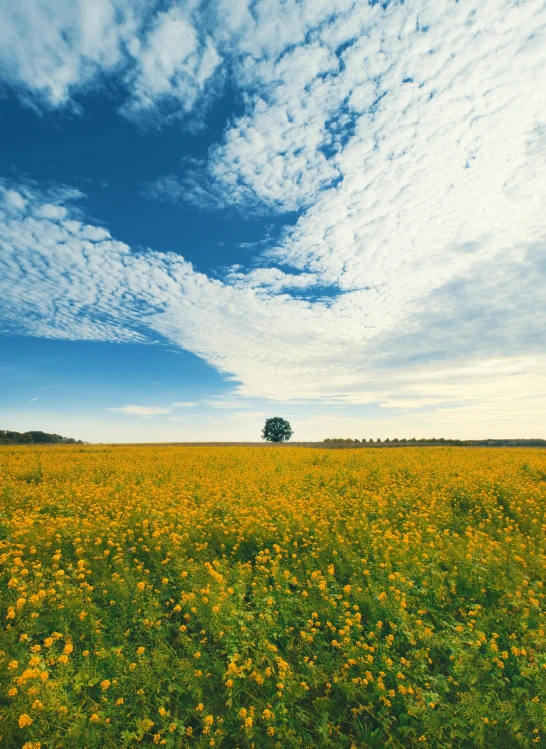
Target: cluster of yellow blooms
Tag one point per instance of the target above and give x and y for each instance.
(272, 597)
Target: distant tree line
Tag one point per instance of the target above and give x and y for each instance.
(7, 437)
(348, 441)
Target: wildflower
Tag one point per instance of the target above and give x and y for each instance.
(24, 720)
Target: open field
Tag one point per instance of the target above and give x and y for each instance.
(243, 597)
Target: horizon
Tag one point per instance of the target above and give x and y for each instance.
(211, 214)
(328, 442)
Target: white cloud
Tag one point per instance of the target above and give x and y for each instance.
(57, 282)
(185, 404)
(14, 201)
(412, 139)
(172, 63)
(228, 404)
(141, 410)
(270, 279)
(53, 50)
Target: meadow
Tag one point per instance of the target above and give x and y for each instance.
(282, 597)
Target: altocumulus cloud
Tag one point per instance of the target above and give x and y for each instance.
(410, 138)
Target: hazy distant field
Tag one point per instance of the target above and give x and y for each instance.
(241, 597)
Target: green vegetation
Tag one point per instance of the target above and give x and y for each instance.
(277, 430)
(7, 437)
(424, 442)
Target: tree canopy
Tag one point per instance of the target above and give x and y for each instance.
(8, 437)
(277, 430)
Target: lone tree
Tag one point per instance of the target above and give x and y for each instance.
(277, 430)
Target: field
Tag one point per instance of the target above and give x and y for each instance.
(283, 597)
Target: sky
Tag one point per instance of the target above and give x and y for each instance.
(332, 211)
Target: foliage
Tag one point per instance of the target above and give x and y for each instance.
(276, 430)
(244, 597)
(7, 437)
(393, 442)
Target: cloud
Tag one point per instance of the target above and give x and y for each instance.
(173, 65)
(185, 404)
(33, 400)
(141, 410)
(414, 154)
(62, 278)
(228, 404)
(52, 51)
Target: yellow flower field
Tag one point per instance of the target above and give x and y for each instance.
(272, 597)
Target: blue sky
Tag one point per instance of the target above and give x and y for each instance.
(211, 213)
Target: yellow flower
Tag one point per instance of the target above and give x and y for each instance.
(140, 650)
(105, 684)
(94, 718)
(24, 720)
